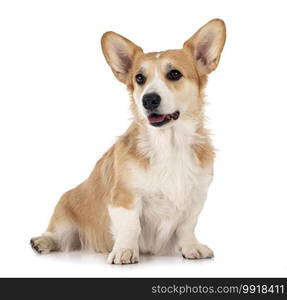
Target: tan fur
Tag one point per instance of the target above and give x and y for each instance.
(84, 209)
(204, 150)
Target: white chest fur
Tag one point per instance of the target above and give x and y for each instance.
(168, 189)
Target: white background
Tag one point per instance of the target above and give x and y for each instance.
(61, 108)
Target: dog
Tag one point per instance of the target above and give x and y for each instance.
(145, 194)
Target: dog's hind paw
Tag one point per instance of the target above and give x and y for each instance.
(42, 244)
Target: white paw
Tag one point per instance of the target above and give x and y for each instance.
(42, 244)
(197, 251)
(123, 256)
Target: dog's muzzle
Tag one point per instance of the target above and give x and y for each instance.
(158, 120)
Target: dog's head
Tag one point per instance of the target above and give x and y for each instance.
(166, 86)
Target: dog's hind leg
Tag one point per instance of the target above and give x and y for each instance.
(64, 238)
(62, 234)
(45, 243)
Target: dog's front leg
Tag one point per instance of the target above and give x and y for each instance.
(189, 245)
(125, 226)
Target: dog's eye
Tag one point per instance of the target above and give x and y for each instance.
(173, 75)
(140, 79)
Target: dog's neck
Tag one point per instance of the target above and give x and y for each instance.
(156, 143)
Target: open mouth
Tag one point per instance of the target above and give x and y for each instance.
(158, 120)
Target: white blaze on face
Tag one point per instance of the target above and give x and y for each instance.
(158, 86)
(158, 55)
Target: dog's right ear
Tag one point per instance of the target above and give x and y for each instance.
(119, 53)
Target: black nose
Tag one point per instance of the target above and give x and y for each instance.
(151, 101)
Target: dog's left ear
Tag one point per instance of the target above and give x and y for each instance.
(206, 45)
(119, 53)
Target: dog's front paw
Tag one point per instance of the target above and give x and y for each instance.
(123, 256)
(197, 251)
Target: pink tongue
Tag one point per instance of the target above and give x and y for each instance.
(156, 119)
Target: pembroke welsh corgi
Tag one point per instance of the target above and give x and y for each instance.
(146, 193)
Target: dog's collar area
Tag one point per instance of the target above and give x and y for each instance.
(158, 120)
